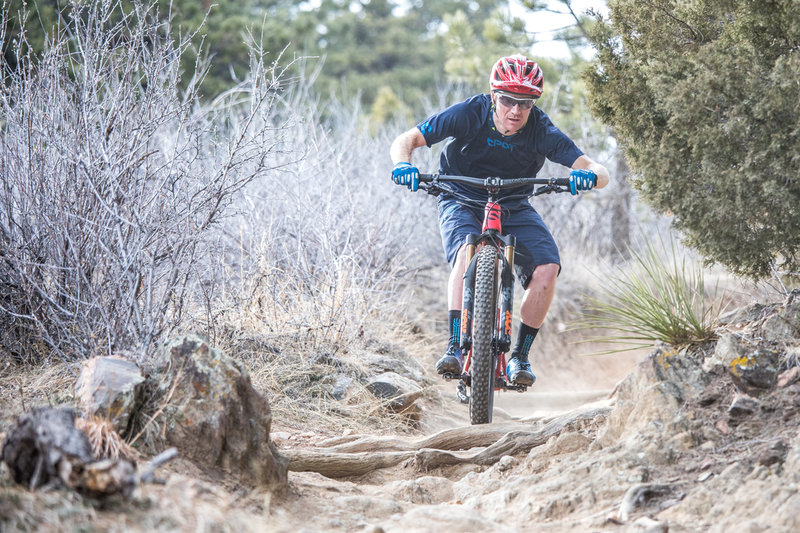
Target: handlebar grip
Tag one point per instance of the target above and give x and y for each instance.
(426, 178)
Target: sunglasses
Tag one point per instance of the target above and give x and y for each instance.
(507, 101)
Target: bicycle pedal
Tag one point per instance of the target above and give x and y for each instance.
(461, 393)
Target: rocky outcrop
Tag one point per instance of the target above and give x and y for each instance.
(212, 414)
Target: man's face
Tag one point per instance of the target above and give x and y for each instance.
(511, 112)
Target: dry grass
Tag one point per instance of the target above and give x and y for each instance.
(298, 376)
(24, 387)
(106, 442)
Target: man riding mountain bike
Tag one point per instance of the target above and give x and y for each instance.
(500, 134)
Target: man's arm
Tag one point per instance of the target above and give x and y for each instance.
(406, 143)
(585, 163)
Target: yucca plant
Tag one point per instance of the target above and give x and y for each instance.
(661, 297)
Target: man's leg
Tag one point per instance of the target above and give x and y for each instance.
(538, 264)
(456, 221)
(535, 303)
(539, 295)
(450, 362)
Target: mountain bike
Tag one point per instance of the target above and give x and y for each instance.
(488, 294)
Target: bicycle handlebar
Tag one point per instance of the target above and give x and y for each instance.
(493, 183)
(435, 184)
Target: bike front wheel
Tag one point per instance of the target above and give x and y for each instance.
(483, 328)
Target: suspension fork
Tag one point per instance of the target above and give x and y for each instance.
(468, 294)
(507, 292)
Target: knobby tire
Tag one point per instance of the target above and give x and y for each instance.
(483, 327)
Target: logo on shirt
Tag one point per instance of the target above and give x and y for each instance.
(497, 142)
(426, 128)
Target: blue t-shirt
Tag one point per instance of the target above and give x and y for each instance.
(477, 149)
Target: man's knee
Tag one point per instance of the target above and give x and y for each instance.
(545, 274)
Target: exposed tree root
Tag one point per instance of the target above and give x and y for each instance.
(361, 455)
(336, 465)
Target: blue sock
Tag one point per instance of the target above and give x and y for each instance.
(525, 337)
(454, 321)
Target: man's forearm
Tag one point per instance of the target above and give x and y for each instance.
(405, 144)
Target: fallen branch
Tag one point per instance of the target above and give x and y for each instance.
(336, 465)
(366, 454)
(448, 439)
(512, 443)
(147, 472)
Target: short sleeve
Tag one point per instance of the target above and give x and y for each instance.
(457, 121)
(556, 146)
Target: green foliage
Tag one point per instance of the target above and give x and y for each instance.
(387, 107)
(659, 298)
(369, 48)
(355, 48)
(472, 48)
(703, 94)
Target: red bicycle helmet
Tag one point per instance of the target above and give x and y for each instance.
(517, 75)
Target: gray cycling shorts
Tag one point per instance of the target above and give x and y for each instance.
(535, 244)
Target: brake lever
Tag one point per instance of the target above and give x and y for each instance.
(431, 189)
(547, 189)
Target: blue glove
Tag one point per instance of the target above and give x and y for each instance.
(406, 174)
(581, 180)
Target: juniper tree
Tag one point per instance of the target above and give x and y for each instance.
(705, 97)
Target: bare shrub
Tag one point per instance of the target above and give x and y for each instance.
(112, 178)
(320, 259)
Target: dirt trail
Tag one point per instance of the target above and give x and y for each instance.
(407, 498)
(668, 452)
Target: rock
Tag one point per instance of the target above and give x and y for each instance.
(742, 315)
(339, 385)
(784, 325)
(443, 517)
(382, 363)
(42, 446)
(424, 490)
(400, 392)
(728, 348)
(788, 377)
(742, 406)
(756, 370)
(648, 525)
(771, 454)
(753, 366)
(110, 387)
(655, 391)
(507, 462)
(639, 495)
(722, 426)
(214, 416)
